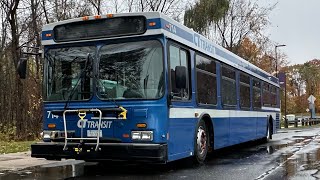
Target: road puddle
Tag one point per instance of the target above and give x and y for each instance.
(299, 159)
(294, 145)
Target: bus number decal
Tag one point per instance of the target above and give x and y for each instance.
(52, 116)
(171, 28)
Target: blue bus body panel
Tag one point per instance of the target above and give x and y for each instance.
(231, 131)
(242, 129)
(262, 124)
(181, 138)
(227, 132)
(221, 132)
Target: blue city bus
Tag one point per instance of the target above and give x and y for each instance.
(142, 87)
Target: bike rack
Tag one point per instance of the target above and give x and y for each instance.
(80, 113)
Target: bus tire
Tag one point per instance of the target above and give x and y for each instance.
(201, 144)
(269, 132)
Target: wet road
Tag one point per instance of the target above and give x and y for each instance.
(292, 154)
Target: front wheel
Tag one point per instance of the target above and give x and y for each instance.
(201, 142)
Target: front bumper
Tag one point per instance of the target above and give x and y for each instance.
(156, 153)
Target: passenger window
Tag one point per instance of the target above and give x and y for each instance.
(228, 88)
(179, 58)
(206, 80)
(273, 96)
(266, 94)
(256, 94)
(244, 91)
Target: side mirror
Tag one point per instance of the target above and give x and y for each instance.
(181, 77)
(22, 68)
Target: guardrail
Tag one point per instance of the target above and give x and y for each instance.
(306, 122)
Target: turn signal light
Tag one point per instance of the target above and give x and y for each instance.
(85, 18)
(152, 23)
(141, 125)
(51, 126)
(109, 15)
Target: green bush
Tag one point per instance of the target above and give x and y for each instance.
(7, 132)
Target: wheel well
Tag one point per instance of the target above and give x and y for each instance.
(207, 120)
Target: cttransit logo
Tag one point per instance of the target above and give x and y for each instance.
(203, 44)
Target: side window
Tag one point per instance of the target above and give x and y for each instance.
(266, 94)
(206, 80)
(244, 91)
(228, 86)
(256, 94)
(178, 60)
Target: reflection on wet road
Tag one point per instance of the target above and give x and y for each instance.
(302, 163)
(290, 155)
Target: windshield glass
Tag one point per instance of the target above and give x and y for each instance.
(132, 70)
(69, 73)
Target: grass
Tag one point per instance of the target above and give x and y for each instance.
(13, 147)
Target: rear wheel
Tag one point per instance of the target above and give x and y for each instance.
(201, 142)
(269, 133)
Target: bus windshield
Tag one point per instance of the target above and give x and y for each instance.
(132, 70)
(68, 73)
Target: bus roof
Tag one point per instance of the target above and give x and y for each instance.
(158, 23)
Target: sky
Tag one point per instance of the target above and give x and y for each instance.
(296, 24)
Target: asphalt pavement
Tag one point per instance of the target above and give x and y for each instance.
(291, 154)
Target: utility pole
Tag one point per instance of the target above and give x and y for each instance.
(275, 50)
(285, 86)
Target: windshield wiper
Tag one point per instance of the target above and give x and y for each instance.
(82, 73)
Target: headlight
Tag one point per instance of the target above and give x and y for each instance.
(135, 135)
(142, 135)
(147, 135)
(54, 135)
(46, 136)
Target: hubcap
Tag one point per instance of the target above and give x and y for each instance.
(201, 141)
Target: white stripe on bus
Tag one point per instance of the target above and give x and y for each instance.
(215, 113)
